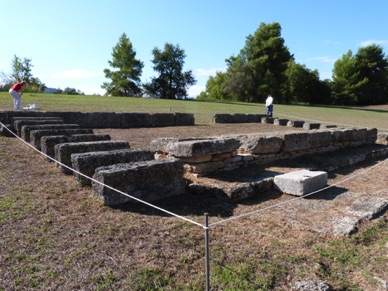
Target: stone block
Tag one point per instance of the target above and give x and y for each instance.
(36, 135)
(146, 180)
(64, 151)
(279, 121)
(382, 138)
(309, 125)
(181, 119)
(87, 163)
(48, 143)
(301, 182)
(261, 144)
(195, 148)
(135, 119)
(26, 129)
(295, 123)
(296, 141)
(103, 120)
(162, 119)
(320, 139)
(269, 120)
(326, 126)
(31, 121)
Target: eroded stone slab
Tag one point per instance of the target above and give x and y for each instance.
(301, 182)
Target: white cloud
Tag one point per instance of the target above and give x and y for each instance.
(194, 91)
(326, 59)
(374, 41)
(208, 72)
(77, 74)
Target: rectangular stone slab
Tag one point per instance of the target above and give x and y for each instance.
(146, 180)
(301, 182)
(64, 151)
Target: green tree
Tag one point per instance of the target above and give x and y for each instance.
(372, 66)
(347, 80)
(125, 78)
(260, 67)
(361, 79)
(172, 82)
(214, 88)
(21, 69)
(303, 85)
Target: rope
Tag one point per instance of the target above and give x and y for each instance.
(107, 186)
(192, 221)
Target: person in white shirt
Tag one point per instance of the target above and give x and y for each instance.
(269, 105)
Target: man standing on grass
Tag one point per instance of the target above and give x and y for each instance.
(15, 92)
(269, 105)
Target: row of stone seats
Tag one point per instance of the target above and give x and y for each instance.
(95, 156)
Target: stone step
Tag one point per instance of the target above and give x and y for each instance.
(87, 163)
(31, 121)
(147, 180)
(36, 135)
(64, 151)
(26, 129)
(49, 142)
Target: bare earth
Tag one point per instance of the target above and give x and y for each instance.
(56, 236)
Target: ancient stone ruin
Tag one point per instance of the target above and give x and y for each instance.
(173, 166)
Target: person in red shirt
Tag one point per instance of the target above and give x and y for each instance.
(15, 92)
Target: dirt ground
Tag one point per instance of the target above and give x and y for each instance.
(56, 236)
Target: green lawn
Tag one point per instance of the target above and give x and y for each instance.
(370, 116)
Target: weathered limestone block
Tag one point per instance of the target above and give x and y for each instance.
(382, 138)
(269, 120)
(36, 135)
(237, 118)
(33, 121)
(204, 168)
(309, 125)
(371, 135)
(259, 144)
(296, 141)
(326, 126)
(146, 180)
(6, 130)
(64, 151)
(341, 135)
(301, 182)
(162, 119)
(320, 139)
(295, 123)
(368, 207)
(161, 145)
(48, 143)
(26, 129)
(359, 134)
(184, 119)
(87, 163)
(103, 120)
(135, 119)
(280, 121)
(203, 147)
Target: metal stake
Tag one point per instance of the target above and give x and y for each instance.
(207, 252)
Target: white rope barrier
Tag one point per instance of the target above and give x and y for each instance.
(192, 221)
(107, 186)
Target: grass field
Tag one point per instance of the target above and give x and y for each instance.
(370, 116)
(54, 235)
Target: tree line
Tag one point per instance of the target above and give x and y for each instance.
(263, 66)
(266, 66)
(21, 72)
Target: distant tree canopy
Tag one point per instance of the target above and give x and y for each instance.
(125, 79)
(21, 72)
(265, 66)
(361, 79)
(172, 82)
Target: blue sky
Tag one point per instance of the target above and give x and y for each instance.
(70, 42)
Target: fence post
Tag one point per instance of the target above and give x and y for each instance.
(207, 252)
